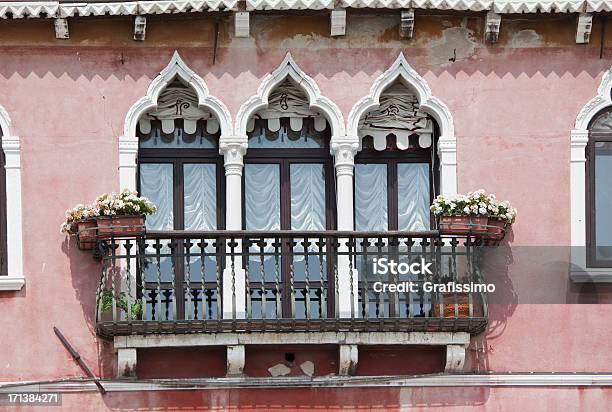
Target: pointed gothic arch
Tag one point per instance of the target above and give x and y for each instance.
(447, 147)
(289, 69)
(128, 143)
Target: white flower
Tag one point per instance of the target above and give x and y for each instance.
(482, 210)
(466, 210)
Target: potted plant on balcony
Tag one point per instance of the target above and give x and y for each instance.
(475, 214)
(81, 221)
(122, 214)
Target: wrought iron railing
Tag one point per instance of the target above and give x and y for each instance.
(188, 282)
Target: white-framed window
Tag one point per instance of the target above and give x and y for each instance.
(11, 273)
(590, 160)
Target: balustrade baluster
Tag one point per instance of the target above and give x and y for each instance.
(157, 248)
(306, 245)
(322, 279)
(277, 277)
(188, 295)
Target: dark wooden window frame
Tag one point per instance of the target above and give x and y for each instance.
(594, 137)
(284, 158)
(392, 157)
(178, 158)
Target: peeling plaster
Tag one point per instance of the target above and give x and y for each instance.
(525, 39)
(279, 370)
(455, 42)
(308, 368)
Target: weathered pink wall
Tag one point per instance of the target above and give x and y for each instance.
(513, 107)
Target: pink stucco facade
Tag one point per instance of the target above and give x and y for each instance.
(513, 105)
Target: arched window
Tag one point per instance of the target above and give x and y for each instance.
(288, 185)
(181, 171)
(395, 173)
(180, 168)
(395, 181)
(599, 191)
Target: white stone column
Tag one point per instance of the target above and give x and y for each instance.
(447, 153)
(344, 160)
(234, 297)
(578, 141)
(128, 150)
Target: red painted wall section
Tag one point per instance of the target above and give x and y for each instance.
(513, 107)
(181, 363)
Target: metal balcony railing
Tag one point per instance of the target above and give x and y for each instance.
(190, 282)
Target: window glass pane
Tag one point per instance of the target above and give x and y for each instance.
(307, 196)
(286, 133)
(603, 201)
(262, 196)
(200, 196)
(307, 213)
(156, 182)
(413, 196)
(371, 207)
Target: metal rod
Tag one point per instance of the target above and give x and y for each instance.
(75, 355)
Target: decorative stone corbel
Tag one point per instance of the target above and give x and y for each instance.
(61, 29)
(140, 28)
(126, 363)
(406, 24)
(338, 22)
(235, 360)
(583, 28)
(492, 24)
(241, 24)
(455, 359)
(349, 356)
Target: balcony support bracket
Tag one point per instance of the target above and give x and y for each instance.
(455, 359)
(126, 363)
(349, 356)
(235, 360)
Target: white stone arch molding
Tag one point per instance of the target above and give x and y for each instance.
(128, 143)
(579, 138)
(11, 147)
(447, 145)
(289, 69)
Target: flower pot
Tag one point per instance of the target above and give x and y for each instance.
(86, 234)
(496, 229)
(463, 225)
(121, 226)
(448, 303)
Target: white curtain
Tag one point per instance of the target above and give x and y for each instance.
(200, 187)
(371, 208)
(413, 196)
(307, 197)
(156, 182)
(262, 196)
